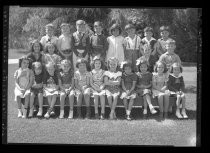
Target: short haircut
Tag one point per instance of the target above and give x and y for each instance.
(80, 22)
(141, 61)
(113, 59)
(37, 65)
(148, 29)
(98, 23)
(81, 60)
(32, 45)
(175, 65)
(126, 64)
(96, 58)
(49, 44)
(24, 58)
(49, 25)
(171, 41)
(164, 65)
(64, 24)
(164, 28)
(129, 26)
(115, 26)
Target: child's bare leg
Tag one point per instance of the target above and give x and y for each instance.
(145, 105)
(96, 103)
(178, 99)
(148, 98)
(26, 105)
(115, 97)
(32, 96)
(183, 106)
(125, 102)
(49, 99)
(19, 105)
(130, 106)
(109, 98)
(87, 103)
(166, 105)
(54, 98)
(71, 104)
(62, 101)
(40, 97)
(79, 104)
(102, 100)
(160, 103)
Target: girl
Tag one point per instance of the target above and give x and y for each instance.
(176, 87)
(37, 88)
(50, 88)
(144, 85)
(132, 45)
(115, 42)
(129, 80)
(82, 83)
(66, 83)
(23, 82)
(51, 55)
(97, 84)
(159, 86)
(112, 81)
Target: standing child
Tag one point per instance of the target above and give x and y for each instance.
(176, 87)
(51, 56)
(82, 83)
(132, 45)
(97, 84)
(80, 43)
(112, 81)
(151, 59)
(115, 42)
(50, 88)
(170, 57)
(98, 42)
(148, 39)
(129, 80)
(66, 83)
(23, 81)
(159, 88)
(161, 43)
(49, 37)
(37, 88)
(65, 42)
(144, 85)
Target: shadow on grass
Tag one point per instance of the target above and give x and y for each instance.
(136, 113)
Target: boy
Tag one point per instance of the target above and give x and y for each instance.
(80, 42)
(170, 57)
(65, 42)
(161, 43)
(49, 37)
(98, 42)
(148, 39)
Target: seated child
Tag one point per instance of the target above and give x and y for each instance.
(23, 82)
(50, 86)
(176, 87)
(129, 79)
(97, 84)
(144, 85)
(37, 88)
(82, 86)
(66, 83)
(159, 88)
(112, 81)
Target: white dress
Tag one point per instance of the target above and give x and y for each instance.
(160, 82)
(115, 48)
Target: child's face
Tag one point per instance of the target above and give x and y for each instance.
(113, 65)
(164, 34)
(115, 32)
(131, 31)
(51, 70)
(65, 29)
(176, 70)
(49, 31)
(66, 67)
(127, 69)
(82, 67)
(148, 34)
(147, 51)
(97, 64)
(36, 47)
(37, 71)
(98, 29)
(80, 27)
(160, 68)
(143, 68)
(24, 64)
(51, 49)
(170, 48)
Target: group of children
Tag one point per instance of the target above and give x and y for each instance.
(83, 66)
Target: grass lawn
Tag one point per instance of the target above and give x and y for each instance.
(120, 132)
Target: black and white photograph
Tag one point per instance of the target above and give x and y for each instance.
(102, 75)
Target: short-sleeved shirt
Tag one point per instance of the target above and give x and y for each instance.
(150, 42)
(162, 44)
(82, 78)
(113, 76)
(128, 80)
(175, 83)
(51, 81)
(66, 78)
(98, 77)
(169, 59)
(160, 81)
(65, 42)
(144, 78)
(23, 77)
(133, 44)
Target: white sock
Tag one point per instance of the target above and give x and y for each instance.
(62, 112)
(150, 106)
(19, 111)
(129, 112)
(126, 112)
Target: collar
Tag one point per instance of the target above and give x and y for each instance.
(176, 76)
(98, 34)
(94, 71)
(133, 37)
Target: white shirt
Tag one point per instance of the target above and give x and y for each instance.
(148, 41)
(45, 39)
(133, 43)
(64, 42)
